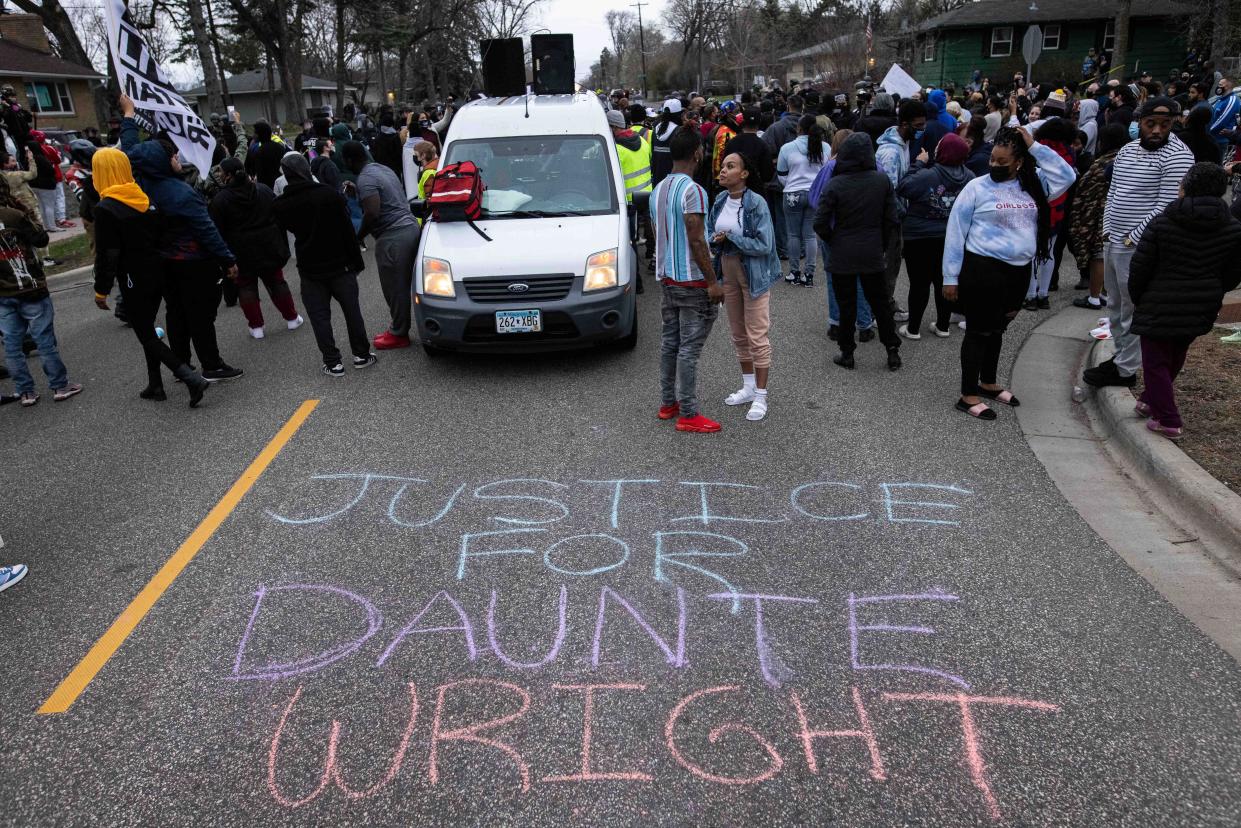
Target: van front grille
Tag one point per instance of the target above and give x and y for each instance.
(497, 289)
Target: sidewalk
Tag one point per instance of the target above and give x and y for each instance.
(1136, 490)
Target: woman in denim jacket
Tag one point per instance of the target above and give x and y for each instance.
(744, 243)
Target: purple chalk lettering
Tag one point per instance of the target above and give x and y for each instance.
(280, 670)
(676, 658)
(412, 627)
(854, 629)
(527, 665)
(760, 635)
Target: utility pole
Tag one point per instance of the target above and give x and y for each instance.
(641, 44)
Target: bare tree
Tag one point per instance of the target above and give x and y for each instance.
(57, 21)
(206, 58)
(506, 18)
(621, 26)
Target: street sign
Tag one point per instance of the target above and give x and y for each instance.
(1032, 44)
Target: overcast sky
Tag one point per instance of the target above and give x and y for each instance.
(584, 20)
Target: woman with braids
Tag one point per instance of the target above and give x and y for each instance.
(999, 224)
(799, 163)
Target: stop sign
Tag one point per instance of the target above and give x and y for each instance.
(1032, 44)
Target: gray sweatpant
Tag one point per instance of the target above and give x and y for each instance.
(1116, 259)
(395, 251)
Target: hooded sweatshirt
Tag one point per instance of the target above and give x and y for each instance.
(318, 218)
(940, 99)
(1189, 257)
(242, 211)
(189, 234)
(1088, 122)
(892, 156)
(930, 194)
(795, 169)
(857, 212)
(1000, 219)
(661, 149)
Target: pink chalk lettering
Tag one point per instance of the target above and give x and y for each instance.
(969, 731)
(864, 732)
(587, 774)
(472, 732)
(772, 674)
(777, 762)
(412, 628)
(675, 658)
(278, 670)
(854, 630)
(331, 766)
(551, 653)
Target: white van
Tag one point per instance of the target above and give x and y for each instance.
(559, 271)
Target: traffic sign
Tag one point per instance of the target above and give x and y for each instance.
(1032, 44)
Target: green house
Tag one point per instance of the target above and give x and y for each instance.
(986, 35)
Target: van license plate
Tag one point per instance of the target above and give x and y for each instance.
(519, 321)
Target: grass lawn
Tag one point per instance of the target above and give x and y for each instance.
(69, 253)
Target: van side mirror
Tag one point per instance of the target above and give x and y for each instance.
(418, 206)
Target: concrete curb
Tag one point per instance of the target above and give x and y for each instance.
(1193, 495)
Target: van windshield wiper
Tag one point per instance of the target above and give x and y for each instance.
(537, 214)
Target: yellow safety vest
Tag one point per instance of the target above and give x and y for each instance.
(642, 132)
(636, 167)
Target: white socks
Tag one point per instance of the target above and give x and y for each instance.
(758, 408)
(745, 394)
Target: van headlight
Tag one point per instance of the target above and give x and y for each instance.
(437, 278)
(600, 271)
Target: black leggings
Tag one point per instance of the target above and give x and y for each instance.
(142, 297)
(192, 291)
(990, 294)
(924, 261)
(875, 289)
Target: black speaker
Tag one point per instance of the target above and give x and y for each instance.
(504, 67)
(552, 55)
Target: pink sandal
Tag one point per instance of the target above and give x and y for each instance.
(980, 411)
(1159, 428)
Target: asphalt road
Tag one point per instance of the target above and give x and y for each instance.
(961, 651)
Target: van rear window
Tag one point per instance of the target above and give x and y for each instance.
(542, 175)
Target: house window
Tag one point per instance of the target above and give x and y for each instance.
(1109, 36)
(907, 51)
(1001, 41)
(928, 53)
(1051, 37)
(49, 97)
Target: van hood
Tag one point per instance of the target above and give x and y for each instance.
(523, 246)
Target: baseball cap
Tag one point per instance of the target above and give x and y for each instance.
(1159, 105)
(615, 119)
(672, 105)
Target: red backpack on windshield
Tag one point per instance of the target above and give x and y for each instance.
(457, 195)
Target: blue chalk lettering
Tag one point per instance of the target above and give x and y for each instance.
(400, 493)
(599, 570)
(706, 516)
(618, 485)
(674, 559)
(795, 496)
(479, 495)
(889, 502)
(466, 553)
(366, 484)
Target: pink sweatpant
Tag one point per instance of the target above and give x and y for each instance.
(749, 319)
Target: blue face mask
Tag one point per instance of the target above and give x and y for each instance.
(1133, 130)
(918, 135)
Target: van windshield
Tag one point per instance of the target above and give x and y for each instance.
(541, 176)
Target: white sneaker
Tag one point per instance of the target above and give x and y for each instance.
(758, 408)
(740, 397)
(961, 324)
(939, 333)
(257, 333)
(903, 330)
(294, 324)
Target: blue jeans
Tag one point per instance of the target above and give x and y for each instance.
(865, 318)
(775, 207)
(19, 316)
(799, 220)
(688, 315)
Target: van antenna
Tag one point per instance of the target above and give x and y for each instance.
(527, 102)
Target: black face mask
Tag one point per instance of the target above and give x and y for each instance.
(1219, 90)
(1000, 174)
(424, 124)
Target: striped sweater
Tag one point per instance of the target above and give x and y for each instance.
(1144, 182)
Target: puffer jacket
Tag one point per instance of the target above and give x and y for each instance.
(189, 233)
(1086, 221)
(858, 213)
(1188, 258)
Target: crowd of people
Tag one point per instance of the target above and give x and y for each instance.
(978, 194)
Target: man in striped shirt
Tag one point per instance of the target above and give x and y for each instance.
(1146, 176)
(691, 294)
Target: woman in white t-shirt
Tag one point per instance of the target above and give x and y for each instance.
(743, 242)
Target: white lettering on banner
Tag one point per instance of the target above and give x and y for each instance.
(143, 79)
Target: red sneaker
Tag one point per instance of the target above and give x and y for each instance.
(699, 424)
(667, 412)
(387, 341)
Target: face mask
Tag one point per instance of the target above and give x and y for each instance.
(1000, 174)
(1219, 90)
(1133, 130)
(918, 135)
(424, 124)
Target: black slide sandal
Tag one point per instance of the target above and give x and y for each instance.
(978, 412)
(998, 396)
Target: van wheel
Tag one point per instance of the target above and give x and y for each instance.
(630, 340)
(431, 350)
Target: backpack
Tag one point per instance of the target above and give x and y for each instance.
(457, 195)
(820, 184)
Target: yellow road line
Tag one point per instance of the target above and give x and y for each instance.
(86, 670)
